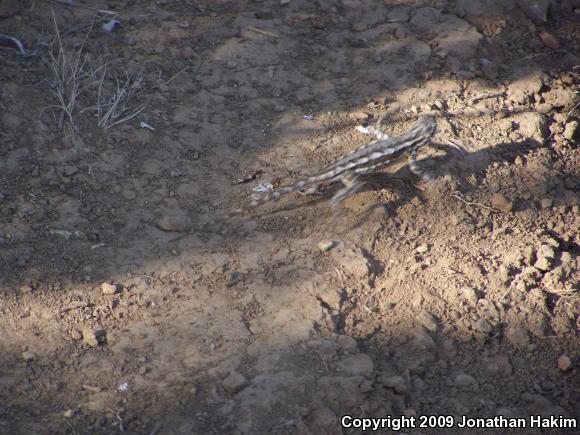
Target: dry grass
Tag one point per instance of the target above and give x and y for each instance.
(74, 73)
(114, 105)
(69, 76)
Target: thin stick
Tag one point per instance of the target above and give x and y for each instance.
(171, 79)
(263, 32)
(572, 109)
(474, 203)
(485, 96)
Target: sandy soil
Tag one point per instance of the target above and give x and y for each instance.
(125, 306)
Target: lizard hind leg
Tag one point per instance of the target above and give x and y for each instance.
(416, 169)
(352, 184)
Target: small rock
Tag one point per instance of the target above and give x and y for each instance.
(325, 245)
(396, 383)
(465, 381)
(93, 337)
(175, 220)
(128, 194)
(357, 365)
(347, 343)
(352, 260)
(502, 203)
(545, 257)
(359, 116)
(525, 87)
(28, 356)
(234, 277)
(25, 289)
(108, 289)
(533, 126)
(564, 363)
(570, 130)
(422, 249)
(535, 10)
(428, 321)
(539, 325)
(470, 294)
(423, 341)
(482, 326)
(70, 170)
(546, 203)
(529, 255)
(234, 382)
(549, 40)
(321, 419)
(76, 334)
(488, 68)
(68, 413)
(464, 75)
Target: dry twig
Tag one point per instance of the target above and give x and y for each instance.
(487, 207)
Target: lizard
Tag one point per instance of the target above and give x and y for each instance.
(367, 159)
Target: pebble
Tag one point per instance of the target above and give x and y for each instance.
(428, 321)
(423, 341)
(564, 363)
(533, 126)
(546, 203)
(396, 383)
(465, 381)
(325, 245)
(93, 337)
(470, 294)
(545, 257)
(25, 289)
(320, 419)
(502, 203)
(535, 10)
(68, 413)
(177, 221)
(69, 170)
(108, 289)
(234, 382)
(488, 68)
(359, 116)
(483, 326)
(465, 75)
(128, 194)
(357, 365)
(422, 249)
(570, 130)
(549, 40)
(76, 334)
(28, 356)
(347, 343)
(539, 324)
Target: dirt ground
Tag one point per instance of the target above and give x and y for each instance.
(127, 305)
